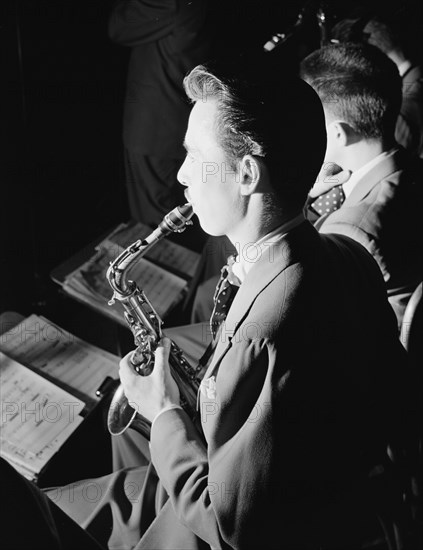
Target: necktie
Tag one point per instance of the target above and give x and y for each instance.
(329, 202)
(225, 292)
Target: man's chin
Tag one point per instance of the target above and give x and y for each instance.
(210, 229)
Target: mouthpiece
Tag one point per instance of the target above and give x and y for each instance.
(175, 221)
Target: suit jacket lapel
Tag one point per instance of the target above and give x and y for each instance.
(272, 262)
(383, 169)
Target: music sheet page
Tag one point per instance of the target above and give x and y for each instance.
(166, 253)
(40, 344)
(37, 417)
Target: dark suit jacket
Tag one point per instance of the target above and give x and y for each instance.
(383, 214)
(305, 372)
(409, 129)
(167, 39)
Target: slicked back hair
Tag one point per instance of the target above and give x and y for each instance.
(279, 120)
(358, 84)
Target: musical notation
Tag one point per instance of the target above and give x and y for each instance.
(37, 417)
(162, 274)
(41, 344)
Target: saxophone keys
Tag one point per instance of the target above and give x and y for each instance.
(112, 300)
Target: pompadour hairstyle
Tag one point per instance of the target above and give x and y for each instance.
(278, 119)
(358, 84)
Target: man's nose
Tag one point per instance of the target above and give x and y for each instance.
(181, 175)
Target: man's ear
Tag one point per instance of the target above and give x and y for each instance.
(342, 133)
(251, 174)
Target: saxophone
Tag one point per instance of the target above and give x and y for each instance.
(146, 326)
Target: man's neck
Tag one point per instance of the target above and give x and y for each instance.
(249, 232)
(359, 154)
(255, 225)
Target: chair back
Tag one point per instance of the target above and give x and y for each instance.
(411, 327)
(412, 339)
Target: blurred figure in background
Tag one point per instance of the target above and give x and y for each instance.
(167, 39)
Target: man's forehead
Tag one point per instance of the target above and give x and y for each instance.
(201, 125)
(203, 114)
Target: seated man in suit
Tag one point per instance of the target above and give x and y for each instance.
(379, 205)
(303, 385)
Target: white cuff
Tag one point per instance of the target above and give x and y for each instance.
(168, 408)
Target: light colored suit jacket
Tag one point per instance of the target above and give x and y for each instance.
(383, 214)
(296, 408)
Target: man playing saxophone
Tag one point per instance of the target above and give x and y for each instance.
(303, 382)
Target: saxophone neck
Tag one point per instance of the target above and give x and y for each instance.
(119, 269)
(175, 221)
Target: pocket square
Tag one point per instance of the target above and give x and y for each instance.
(208, 387)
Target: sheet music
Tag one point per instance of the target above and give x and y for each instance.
(37, 417)
(41, 344)
(160, 286)
(162, 274)
(89, 281)
(166, 253)
(175, 257)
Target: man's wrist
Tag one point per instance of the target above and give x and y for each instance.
(165, 409)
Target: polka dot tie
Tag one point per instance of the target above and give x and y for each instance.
(225, 292)
(329, 202)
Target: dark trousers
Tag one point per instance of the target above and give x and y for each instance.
(31, 520)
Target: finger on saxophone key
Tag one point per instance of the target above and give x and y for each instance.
(138, 358)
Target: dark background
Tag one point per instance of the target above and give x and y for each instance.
(62, 180)
(61, 170)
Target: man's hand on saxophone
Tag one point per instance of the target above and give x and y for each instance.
(150, 395)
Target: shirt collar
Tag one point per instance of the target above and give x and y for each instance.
(356, 176)
(253, 252)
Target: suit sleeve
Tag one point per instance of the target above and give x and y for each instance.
(136, 22)
(210, 489)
